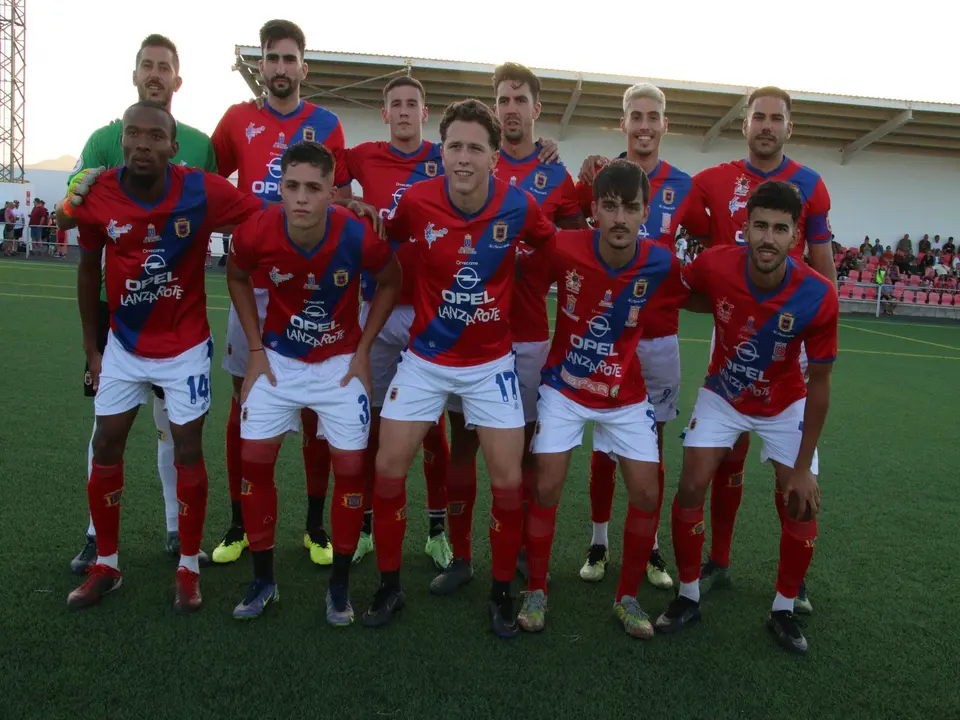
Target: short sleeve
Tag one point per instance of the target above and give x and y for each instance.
(816, 228)
(376, 253)
(90, 156)
(569, 206)
(694, 217)
(223, 150)
(336, 144)
(91, 238)
(241, 247)
(695, 275)
(227, 205)
(353, 161)
(537, 229)
(820, 338)
(585, 198)
(672, 293)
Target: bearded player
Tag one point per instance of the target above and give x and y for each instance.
(765, 305)
(251, 141)
(159, 333)
(310, 354)
(156, 77)
(644, 123)
(384, 171)
(520, 164)
(592, 375)
(459, 344)
(717, 211)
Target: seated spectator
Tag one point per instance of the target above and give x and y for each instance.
(848, 263)
(936, 242)
(950, 248)
(880, 275)
(905, 244)
(861, 261)
(877, 248)
(924, 246)
(893, 273)
(887, 256)
(941, 269)
(836, 247)
(887, 303)
(865, 247)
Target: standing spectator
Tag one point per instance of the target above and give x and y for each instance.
(924, 246)
(877, 248)
(865, 247)
(936, 242)
(905, 244)
(950, 247)
(61, 241)
(38, 219)
(17, 224)
(9, 245)
(681, 247)
(225, 239)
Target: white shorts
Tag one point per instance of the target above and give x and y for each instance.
(629, 431)
(126, 380)
(385, 351)
(235, 358)
(344, 412)
(530, 359)
(803, 354)
(660, 365)
(715, 423)
(490, 392)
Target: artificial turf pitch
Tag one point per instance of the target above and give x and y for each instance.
(883, 637)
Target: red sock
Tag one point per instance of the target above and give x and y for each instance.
(389, 520)
(528, 480)
(436, 459)
(687, 529)
(346, 512)
(639, 531)
(603, 480)
(781, 502)
(796, 550)
(316, 455)
(104, 490)
(461, 497)
(370, 464)
(258, 494)
(506, 526)
(538, 535)
(726, 492)
(192, 502)
(234, 445)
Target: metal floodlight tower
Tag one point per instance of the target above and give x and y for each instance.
(13, 37)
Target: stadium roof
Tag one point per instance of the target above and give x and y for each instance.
(848, 124)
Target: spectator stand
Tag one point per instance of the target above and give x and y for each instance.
(914, 295)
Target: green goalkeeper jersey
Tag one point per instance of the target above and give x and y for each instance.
(103, 150)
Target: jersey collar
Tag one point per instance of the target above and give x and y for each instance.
(761, 296)
(760, 173)
(613, 272)
(408, 155)
(281, 116)
(490, 190)
(521, 161)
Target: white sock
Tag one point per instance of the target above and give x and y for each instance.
(91, 531)
(111, 561)
(691, 590)
(600, 534)
(782, 603)
(165, 466)
(656, 541)
(190, 562)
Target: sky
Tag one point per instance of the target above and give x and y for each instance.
(80, 56)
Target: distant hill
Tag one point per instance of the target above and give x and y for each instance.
(64, 162)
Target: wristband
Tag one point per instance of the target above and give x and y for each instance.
(66, 207)
(257, 349)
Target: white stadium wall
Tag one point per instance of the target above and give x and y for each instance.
(878, 194)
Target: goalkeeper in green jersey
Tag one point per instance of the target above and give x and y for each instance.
(156, 77)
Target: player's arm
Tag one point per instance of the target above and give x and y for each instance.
(818, 234)
(227, 205)
(89, 282)
(694, 277)
(694, 216)
(224, 153)
(93, 159)
(537, 230)
(568, 215)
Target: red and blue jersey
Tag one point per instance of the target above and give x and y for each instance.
(155, 255)
(718, 203)
(601, 312)
(384, 173)
(466, 268)
(552, 187)
(669, 193)
(755, 365)
(313, 308)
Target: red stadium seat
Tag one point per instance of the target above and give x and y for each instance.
(933, 299)
(898, 294)
(951, 283)
(947, 299)
(922, 297)
(858, 293)
(908, 296)
(855, 275)
(900, 284)
(871, 293)
(845, 291)
(914, 281)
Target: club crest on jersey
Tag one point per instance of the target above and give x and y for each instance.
(341, 278)
(570, 307)
(182, 228)
(252, 131)
(785, 322)
(308, 134)
(669, 195)
(633, 316)
(281, 143)
(151, 236)
(467, 248)
(431, 234)
(574, 280)
(607, 301)
(640, 288)
(430, 168)
(779, 351)
(311, 283)
(724, 310)
(540, 180)
(741, 187)
(114, 231)
(500, 231)
(665, 220)
(277, 277)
